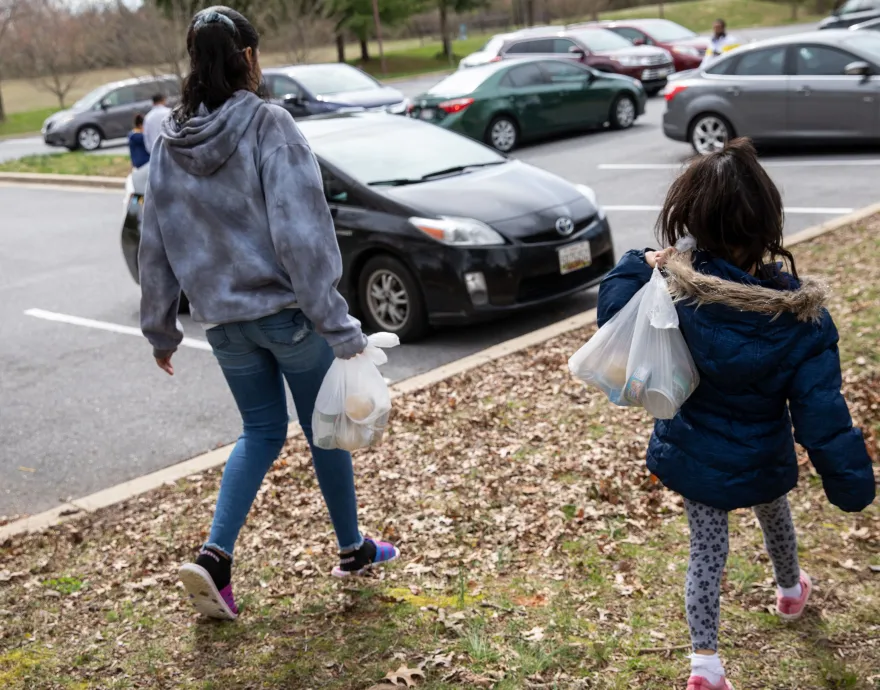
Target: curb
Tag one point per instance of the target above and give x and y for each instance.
(63, 180)
(215, 458)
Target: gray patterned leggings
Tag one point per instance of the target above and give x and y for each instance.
(709, 547)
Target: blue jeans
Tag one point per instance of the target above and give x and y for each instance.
(256, 357)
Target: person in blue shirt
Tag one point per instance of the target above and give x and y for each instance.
(136, 147)
(766, 351)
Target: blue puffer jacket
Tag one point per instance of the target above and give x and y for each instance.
(763, 350)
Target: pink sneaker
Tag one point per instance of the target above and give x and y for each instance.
(789, 608)
(700, 683)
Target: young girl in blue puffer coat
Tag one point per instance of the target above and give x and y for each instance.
(766, 350)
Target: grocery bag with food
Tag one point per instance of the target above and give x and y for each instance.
(353, 404)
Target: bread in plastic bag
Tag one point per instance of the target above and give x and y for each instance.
(353, 403)
(602, 362)
(660, 372)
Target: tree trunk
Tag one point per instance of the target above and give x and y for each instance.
(2, 108)
(530, 12)
(340, 47)
(444, 31)
(365, 50)
(794, 9)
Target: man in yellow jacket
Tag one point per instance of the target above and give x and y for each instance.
(721, 41)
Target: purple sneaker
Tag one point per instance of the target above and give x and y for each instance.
(204, 595)
(371, 553)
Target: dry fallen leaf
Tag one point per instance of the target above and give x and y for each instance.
(536, 634)
(404, 676)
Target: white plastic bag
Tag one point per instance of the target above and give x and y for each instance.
(353, 404)
(660, 372)
(639, 358)
(602, 362)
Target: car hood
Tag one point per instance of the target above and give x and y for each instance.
(365, 98)
(696, 42)
(635, 51)
(514, 190)
(60, 116)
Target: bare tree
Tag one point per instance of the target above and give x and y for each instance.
(165, 39)
(8, 12)
(53, 44)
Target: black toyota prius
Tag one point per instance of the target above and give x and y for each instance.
(436, 228)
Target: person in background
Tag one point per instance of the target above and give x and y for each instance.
(721, 42)
(766, 350)
(235, 216)
(153, 121)
(136, 147)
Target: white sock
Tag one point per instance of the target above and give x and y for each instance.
(708, 666)
(792, 592)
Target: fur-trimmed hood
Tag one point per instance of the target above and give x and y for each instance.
(806, 301)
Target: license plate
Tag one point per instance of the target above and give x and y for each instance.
(427, 114)
(574, 257)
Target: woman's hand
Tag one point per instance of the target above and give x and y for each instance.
(165, 365)
(659, 259)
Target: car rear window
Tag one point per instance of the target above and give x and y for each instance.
(759, 63)
(397, 148)
(462, 82)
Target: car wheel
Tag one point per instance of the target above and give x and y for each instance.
(710, 133)
(623, 112)
(89, 138)
(391, 300)
(503, 134)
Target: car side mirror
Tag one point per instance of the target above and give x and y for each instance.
(103, 105)
(857, 69)
(335, 191)
(294, 99)
(577, 52)
(639, 41)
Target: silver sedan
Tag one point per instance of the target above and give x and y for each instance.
(813, 87)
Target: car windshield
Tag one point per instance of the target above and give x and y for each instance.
(393, 151)
(868, 43)
(92, 98)
(598, 40)
(853, 6)
(461, 82)
(493, 46)
(665, 31)
(326, 80)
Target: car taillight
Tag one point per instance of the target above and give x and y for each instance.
(497, 58)
(673, 91)
(455, 106)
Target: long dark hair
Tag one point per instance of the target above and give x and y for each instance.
(216, 42)
(729, 204)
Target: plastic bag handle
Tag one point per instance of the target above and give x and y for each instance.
(376, 346)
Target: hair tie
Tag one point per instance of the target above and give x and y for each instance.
(211, 16)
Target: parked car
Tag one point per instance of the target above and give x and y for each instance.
(436, 228)
(306, 90)
(507, 102)
(589, 44)
(852, 12)
(107, 112)
(822, 86)
(687, 49)
(872, 25)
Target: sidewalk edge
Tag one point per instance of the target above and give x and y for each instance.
(215, 458)
(89, 181)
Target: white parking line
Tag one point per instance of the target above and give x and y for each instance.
(105, 326)
(856, 163)
(790, 210)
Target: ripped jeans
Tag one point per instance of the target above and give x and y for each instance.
(256, 357)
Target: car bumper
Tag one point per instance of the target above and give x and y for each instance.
(516, 277)
(59, 137)
(673, 128)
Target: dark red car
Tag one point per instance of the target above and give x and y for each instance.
(686, 47)
(590, 44)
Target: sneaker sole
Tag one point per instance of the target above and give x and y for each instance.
(203, 593)
(340, 573)
(791, 617)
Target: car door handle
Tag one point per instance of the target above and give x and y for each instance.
(806, 90)
(733, 90)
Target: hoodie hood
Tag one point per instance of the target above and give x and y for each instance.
(739, 290)
(202, 144)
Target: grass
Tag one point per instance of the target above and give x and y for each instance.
(698, 15)
(560, 568)
(27, 122)
(75, 163)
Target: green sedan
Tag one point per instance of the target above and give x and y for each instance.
(508, 102)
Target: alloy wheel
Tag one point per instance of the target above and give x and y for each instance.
(387, 300)
(503, 135)
(625, 113)
(89, 139)
(710, 135)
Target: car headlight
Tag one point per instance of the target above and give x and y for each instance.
(458, 232)
(629, 61)
(687, 50)
(591, 195)
(399, 108)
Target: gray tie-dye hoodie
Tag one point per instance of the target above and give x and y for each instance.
(235, 216)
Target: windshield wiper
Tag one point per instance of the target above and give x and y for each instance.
(460, 168)
(393, 183)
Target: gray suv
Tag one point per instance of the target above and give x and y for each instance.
(107, 112)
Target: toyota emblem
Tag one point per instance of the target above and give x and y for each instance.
(564, 226)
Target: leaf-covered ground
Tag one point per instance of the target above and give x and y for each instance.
(537, 553)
